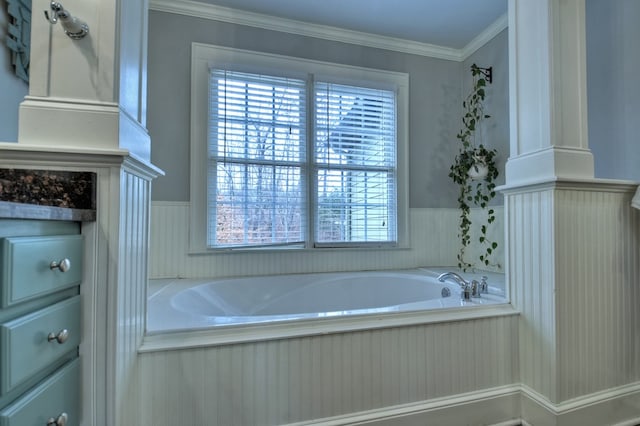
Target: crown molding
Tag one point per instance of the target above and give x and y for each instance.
(224, 14)
(258, 20)
(485, 36)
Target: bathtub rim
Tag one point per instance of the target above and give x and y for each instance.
(166, 290)
(245, 333)
(174, 339)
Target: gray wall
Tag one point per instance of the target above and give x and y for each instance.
(613, 87)
(435, 89)
(12, 89)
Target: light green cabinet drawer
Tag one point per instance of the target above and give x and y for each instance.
(32, 342)
(27, 262)
(56, 396)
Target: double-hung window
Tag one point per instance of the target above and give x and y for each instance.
(295, 153)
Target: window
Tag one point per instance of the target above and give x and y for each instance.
(355, 159)
(256, 160)
(295, 153)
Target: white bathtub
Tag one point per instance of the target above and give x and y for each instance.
(193, 304)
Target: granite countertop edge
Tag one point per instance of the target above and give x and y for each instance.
(10, 210)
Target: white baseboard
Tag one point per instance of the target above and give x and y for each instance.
(504, 406)
(497, 407)
(616, 407)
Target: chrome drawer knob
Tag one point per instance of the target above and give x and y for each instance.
(64, 265)
(60, 337)
(60, 421)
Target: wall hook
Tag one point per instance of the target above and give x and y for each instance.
(72, 26)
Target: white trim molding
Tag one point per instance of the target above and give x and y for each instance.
(499, 25)
(70, 123)
(258, 20)
(617, 406)
(512, 405)
(498, 407)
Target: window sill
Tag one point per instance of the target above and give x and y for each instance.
(290, 249)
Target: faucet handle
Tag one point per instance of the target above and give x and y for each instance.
(475, 289)
(484, 287)
(465, 294)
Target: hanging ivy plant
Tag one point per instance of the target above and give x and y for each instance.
(474, 171)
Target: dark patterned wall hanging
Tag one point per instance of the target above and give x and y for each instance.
(19, 36)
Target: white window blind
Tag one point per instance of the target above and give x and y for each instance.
(355, 159)
(256, 162)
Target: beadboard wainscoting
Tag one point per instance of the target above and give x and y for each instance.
(114, 309)
(433, 242)
(130, 295)
(575, 279)
(392, 371)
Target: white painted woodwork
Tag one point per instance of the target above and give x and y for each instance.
(574, 273)
(129, 311)
(293, 380)
(548, 106)
(89, 93)
(433, 242)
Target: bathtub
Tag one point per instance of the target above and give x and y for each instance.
(195, 304)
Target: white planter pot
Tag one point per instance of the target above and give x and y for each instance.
(478, 171)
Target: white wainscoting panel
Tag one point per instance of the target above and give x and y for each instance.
(434, 242)
(130, 295)
(597, 291)
(530, 274)
(298, 379)
(575, 277)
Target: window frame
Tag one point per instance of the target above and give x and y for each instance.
(206, 56)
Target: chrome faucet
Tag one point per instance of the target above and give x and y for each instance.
(455, 277)
(469, 289)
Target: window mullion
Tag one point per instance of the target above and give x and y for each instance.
(245, 186)
(274, 201)
(311, 166)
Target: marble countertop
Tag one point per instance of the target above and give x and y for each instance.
(32, 211)
(47, 194)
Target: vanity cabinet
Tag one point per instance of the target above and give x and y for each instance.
(40, 326)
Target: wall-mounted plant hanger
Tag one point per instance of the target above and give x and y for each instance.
(486, 72)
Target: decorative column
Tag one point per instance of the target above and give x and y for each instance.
(572, 250)
(548, 86)
(90, 92)
(86, 110)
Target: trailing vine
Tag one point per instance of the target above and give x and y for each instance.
(476, 189)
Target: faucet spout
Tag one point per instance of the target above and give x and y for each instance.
(455, 277)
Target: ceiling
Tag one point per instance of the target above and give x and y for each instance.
(446, 23)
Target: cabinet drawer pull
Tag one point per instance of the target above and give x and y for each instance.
(60, 337)
(60, 421)
(64, 265)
